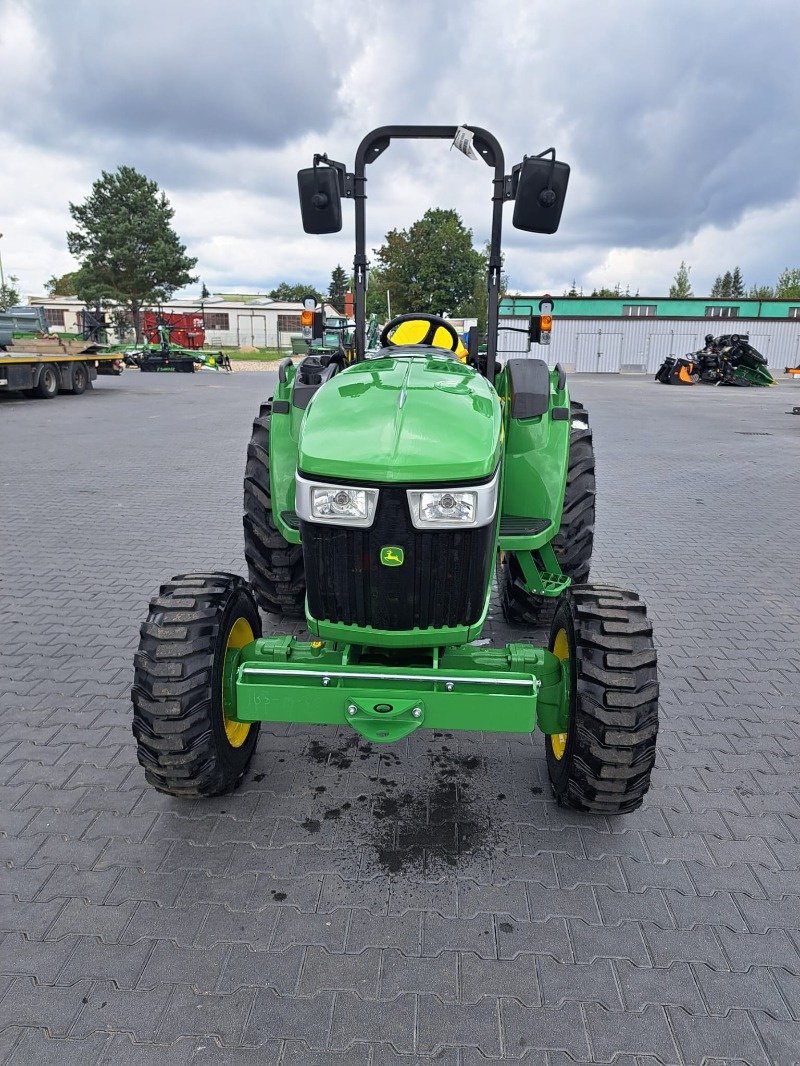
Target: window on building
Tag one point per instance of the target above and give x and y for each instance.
(639, 310)
(722, 312)
(794, 312)
(53, 317)
(289, 324)
(216, 320)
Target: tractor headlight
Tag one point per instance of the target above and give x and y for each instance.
(454, 508)
(340, 505)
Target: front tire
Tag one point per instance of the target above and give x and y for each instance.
(276, 569)
(575, 538)
(187, 743)
(603, 762)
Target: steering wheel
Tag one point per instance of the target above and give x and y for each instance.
(434, 322)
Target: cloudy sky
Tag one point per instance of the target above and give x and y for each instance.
(680, 120)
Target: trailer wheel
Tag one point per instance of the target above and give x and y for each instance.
(603, 762)
(276, 569)
(188, 743)
(47, 385)
(575, 539)
(80, 379)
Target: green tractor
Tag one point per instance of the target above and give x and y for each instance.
(382, 489)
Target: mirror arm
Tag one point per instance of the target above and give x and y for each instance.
(346, 180)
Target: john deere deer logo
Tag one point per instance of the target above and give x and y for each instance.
(391, 556)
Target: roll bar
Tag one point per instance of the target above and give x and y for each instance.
(488, 148)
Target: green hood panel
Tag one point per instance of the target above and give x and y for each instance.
(403, 419)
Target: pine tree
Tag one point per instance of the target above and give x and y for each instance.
(727, 284)
(338, 287)
(681, 286)
(737, 284)
(716, 288)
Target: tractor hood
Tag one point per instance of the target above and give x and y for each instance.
(423, 418)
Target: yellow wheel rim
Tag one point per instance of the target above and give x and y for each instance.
(558, 741)
(241, 633)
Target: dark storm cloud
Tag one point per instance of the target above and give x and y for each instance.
(209, 75)
(677, 120)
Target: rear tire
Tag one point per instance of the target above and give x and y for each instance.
(48, 384)
(276, 569)
(80, 379)
(603, 762)
(575, 539)
(185, 743)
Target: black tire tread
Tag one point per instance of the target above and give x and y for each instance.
(616, 702)
(574, 541)
(173, 685)
(276, 568)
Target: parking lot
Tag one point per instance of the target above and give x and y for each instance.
(425, 901)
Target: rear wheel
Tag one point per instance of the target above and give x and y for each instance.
(80, 379)
(574, 541)
(603, 762)
(47, 385)
(188, 741)
(277, 573)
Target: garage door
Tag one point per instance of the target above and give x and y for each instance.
(660, 345)
(598, 353)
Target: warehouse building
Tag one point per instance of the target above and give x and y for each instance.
(611, 335)
(231, 320)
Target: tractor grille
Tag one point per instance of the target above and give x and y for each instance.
(442, 581)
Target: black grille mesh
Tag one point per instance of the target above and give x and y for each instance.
(442, 581)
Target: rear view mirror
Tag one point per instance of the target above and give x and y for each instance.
(541, 189)
(320, 204)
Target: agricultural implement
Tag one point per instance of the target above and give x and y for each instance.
(726, 360)
(381, 493)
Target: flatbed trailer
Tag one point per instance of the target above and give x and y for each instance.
(45, 369)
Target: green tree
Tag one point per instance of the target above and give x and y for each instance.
(430, 267)
(787, 286)
(339, 287)
(681, 286)
(737, 284)
(716, 288)
(204, 293)
(761, 292)
(9, 294)
(125, 244)
(604, 291)
(294, 293)
(63, 285)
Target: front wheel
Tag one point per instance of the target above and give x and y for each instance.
(605, 641)
(189, 743)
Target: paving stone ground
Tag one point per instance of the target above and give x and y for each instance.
(429, 901)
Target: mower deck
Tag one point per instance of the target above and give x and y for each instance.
(385, 697)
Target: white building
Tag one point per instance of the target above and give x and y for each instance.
(230, 320)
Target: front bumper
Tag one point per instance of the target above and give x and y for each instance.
(511, 689)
